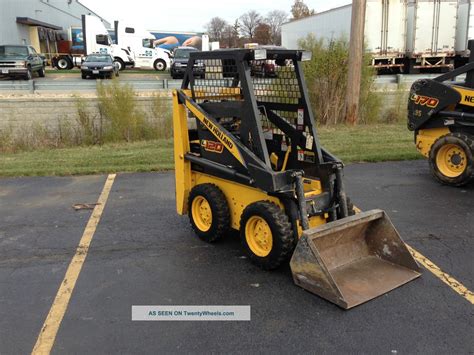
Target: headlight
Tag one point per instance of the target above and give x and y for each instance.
(109, 67)
(84, 67)
(21, 64)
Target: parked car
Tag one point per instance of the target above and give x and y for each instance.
(99, 65)
(180, 63)
(21, 61)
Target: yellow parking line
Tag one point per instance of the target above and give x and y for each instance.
(440, 274)
(50, 328)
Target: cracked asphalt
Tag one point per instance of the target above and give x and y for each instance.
(143, 253)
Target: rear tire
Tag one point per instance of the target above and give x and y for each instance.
(64, 63)
(266, 234)
(159, 65)
(208, 212)
(451, 159)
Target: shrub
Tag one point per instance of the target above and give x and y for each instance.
(326, 77)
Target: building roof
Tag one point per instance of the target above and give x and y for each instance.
(316, 14)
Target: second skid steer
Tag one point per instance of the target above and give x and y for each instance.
(247, 157)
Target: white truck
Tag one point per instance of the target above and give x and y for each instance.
(91, 37)
(140, 43)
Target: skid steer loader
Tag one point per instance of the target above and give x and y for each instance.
(247, 157)
(441, 113)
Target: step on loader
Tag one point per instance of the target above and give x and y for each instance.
(441, 114)
(248, 158)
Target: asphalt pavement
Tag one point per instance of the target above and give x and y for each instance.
(143, 253)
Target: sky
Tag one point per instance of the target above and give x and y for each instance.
(187, 15)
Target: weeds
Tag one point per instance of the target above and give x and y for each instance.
(116, 116)
(326, 75)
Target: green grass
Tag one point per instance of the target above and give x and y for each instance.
(369, 143)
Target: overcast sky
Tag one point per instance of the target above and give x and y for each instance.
(187, 15)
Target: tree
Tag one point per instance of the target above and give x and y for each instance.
(262, 34)
(230, 37)
(215, 28)
(249, 22)
(275, 19)
(300, 10)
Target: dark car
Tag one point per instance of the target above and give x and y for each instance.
(99, 65)
(180, 63)
(20, 61)
(264, 68)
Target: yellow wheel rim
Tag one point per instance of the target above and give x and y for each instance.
(258, 236)
(451, 160)
(202, 213)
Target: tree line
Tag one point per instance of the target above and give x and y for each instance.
(254, 27)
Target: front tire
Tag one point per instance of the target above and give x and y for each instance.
(208, 212)
(451, 159)
(42, 72)
(120, 63)
(64, 63)
(29, 74)
(84, 76)
(266, 234)
(159, 65)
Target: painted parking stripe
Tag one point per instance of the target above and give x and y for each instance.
(440, 274)
(51, 325)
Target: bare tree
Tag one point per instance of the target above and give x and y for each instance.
(215, 28)
(275, 19)
(249, 22)
(300, 10)
(262, 34)
(230, 37)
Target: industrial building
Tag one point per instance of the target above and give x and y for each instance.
(40, 23)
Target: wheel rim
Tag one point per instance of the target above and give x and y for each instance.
(62, 63)
(202, 213)
(451, 160)
(258, 236)
(160, 66)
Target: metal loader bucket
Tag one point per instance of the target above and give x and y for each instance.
(352, 260)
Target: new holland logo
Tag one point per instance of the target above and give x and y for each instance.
(427, 101)
(211, 146)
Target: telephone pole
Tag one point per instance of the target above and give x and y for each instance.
(356, 55)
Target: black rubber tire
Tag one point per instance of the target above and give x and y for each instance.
(42, 72)
(120, 63)
(29, 74)
(64, 63)
(219, 208)
(159, 62)
(465, 142)
(84, 76)
(282, 234)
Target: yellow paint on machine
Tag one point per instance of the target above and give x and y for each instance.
(239, 196)
(51, 325)
(440, 274)
(467, 95)
(426, 138)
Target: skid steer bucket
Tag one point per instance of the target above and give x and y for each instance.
(353, 260)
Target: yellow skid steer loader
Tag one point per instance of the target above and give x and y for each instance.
(247, 157)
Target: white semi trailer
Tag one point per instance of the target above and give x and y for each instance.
(385, 30)
(404, 35)
(431, 34)
(140, 44)
(91, 37)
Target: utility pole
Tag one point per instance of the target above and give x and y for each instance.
(356, 54)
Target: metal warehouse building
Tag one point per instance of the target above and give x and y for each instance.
(40, 23)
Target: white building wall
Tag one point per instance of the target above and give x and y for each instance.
(330, 24)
